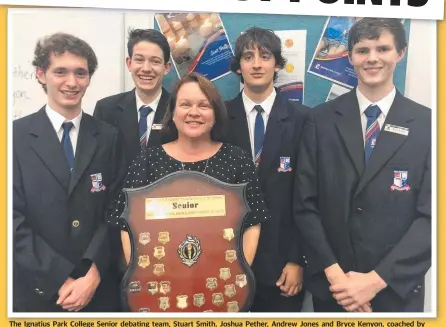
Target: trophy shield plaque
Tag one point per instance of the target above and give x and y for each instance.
(186, 246)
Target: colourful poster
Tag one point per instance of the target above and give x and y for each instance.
(290, 79)
(198, 43)
(330, 60)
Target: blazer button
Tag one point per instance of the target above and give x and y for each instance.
(359, 210)
(76, 223)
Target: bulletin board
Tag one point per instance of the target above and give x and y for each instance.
(316, 88)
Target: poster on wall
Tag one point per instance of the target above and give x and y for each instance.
(198, 42)
(330, 59)
(291, 79)
(335, 91)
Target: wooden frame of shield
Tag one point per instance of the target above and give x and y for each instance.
(186, 246)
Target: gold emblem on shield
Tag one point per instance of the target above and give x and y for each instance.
(134, 287)
(211, 283)
(165, 287)
(230, 290)
(208, 311)
(152, 287)
(217, 299)
(163, 237)
(228, 234)
(163, 303)
(240, 280)
(143, 261)
(232, 306)
(189, 250)
(199, 299)
(158, 252)
(158, 269)
(144, 238)
(225, 273)
(182, 302)
(231, 256)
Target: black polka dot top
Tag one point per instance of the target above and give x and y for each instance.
(230, 164)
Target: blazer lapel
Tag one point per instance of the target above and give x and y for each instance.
(85, 150)
(47, 146)
(161, 108)
(156, 138)
(387, 143)
(239, 131)
(349, 127)
(129, 121)
(275, 131)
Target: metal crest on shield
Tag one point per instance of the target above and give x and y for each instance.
(225, 273)
(211, 283)
(240, 280)
(228, 234)
(144, 238)
(143, 261)
(182, 302)
(158, 252)
(165, 287)
(152, 287)
(199, 299)
(189, 250)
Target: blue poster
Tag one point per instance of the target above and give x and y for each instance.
(198, 43)
(330, 59)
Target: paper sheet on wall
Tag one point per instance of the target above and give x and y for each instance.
(291, 79)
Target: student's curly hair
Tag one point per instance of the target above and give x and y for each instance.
(60, 43)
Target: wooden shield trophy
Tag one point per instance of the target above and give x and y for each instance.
(186, 241)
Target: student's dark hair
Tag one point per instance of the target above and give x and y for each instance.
(148, 35)
(263, 39)
(169, 130)
(372, 28)
(58, 44)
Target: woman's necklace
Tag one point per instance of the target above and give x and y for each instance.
(205, 167)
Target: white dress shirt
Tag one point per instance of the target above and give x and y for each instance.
(384, 104)
(57, 120)
(251, 113)
(151, 116)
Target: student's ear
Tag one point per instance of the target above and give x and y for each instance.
(40, 74)
(168, 67)
(128, 62)
(401, 54)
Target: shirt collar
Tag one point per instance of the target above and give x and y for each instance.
(57, 119)
(267, 104)
(153, 104)
(384, 104)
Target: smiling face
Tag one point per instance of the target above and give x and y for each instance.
(375, 61)
(67, 79)
(147, 67)
(194, 115)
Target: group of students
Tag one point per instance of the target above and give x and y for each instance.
(340, 194)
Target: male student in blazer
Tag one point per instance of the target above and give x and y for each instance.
(138, 114)
(275, 128)
(67, 170)
(363, 195)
